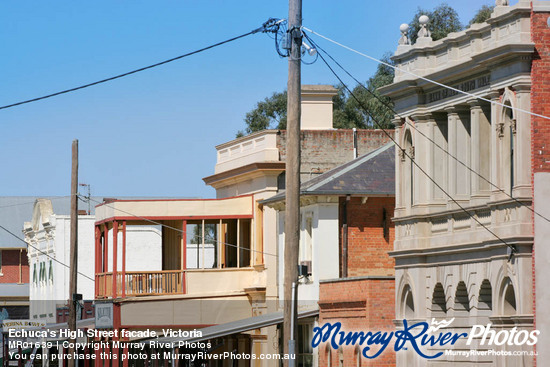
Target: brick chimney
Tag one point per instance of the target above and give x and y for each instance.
(317, 106)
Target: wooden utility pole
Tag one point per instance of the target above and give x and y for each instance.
(74, 248)
(292, 174)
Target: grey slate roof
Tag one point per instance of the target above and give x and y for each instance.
(370, 174)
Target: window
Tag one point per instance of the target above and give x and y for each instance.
(34, 274)
(224, 243)
(304, 355)
(462, 301)
(407, 171)
(407, 303)
(50, 272)
(439, 305)
(509, 298)
(306, 240)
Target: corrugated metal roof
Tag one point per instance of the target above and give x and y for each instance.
(234, 327)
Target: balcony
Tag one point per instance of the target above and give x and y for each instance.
(175, 247)
(133, 284)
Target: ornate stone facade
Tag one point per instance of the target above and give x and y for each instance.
(464, 238)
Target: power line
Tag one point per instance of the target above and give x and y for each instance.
(387, 105)
(172, 228)
(266, 27)
(426, 79)
(42, 252)
(32, 202)
(512, 248)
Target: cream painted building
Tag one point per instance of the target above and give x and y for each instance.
(470, 257)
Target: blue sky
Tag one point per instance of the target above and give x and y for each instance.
(153, 133)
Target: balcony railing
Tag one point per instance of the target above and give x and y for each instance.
(134, 283)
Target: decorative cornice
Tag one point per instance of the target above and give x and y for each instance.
(264, 167)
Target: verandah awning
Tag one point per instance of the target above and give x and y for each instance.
(231, 328)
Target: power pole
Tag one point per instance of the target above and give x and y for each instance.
(292, 177)
(74, 248)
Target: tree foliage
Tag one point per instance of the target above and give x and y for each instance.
(443, 20)
(482, 14)
(374, 110)
(348, 112)
(268, 114)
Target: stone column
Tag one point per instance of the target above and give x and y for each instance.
(398, 127)
(521, 127)
(495, 97)
(422, 155)
(452, 120)
(480, 153)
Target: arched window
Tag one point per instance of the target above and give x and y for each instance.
(407, 303)
(407, 179)
(506, 129)
(485, 302)
(462, 302)
(508, 298)
(485, 296)
(439, 306)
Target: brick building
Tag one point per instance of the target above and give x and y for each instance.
(468, 246)
(346, 215)
(14, 267)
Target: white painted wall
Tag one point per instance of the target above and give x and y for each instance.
(143, 248)
(324, 250)
(143, 253)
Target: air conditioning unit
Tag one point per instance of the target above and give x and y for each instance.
(304, 269)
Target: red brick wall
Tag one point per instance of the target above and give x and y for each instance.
(360, 305)
(540, 93)
(10, 266)
(540, 104)
(367, 246)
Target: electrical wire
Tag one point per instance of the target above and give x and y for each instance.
(43, 253)
(173, 228)
(32, 202)
(387, 105)
(511, 247)
(426, 79)
(263, 28)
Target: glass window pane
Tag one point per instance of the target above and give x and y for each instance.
(194, 244)
(210, 244)
(229, 237)
(244, 245)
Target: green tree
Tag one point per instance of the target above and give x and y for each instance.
(268, 114)
(348, 113)
(482, 14)
(443, 20)
(380, 108)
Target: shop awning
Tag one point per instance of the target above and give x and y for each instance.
(233, 327)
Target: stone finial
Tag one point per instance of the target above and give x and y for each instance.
(502, 3)
(424, 32)
(404, 40)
